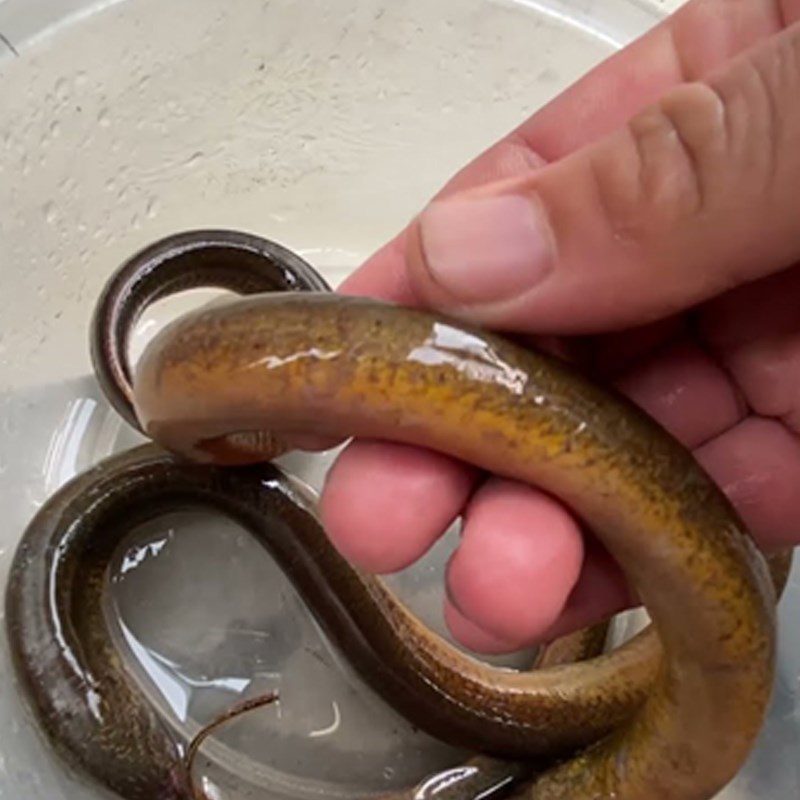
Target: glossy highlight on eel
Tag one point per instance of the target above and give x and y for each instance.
(672, 714)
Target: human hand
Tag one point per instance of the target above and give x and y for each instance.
(646, 225)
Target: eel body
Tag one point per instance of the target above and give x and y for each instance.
(671, 715)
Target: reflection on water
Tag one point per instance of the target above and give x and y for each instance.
(210, 619)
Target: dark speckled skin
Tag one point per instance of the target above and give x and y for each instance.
(654, 719)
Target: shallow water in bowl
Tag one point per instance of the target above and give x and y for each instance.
(300, 126)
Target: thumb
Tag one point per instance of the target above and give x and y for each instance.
(695, 195)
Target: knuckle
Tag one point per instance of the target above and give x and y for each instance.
(665, 171)
(764, 97)
(708, 149)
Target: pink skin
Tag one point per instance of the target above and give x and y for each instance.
(727, 385)
(408, 523)
(503, 561)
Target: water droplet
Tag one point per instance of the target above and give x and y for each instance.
(388, 773)
(49, 211)
(194, 159)
(55, 129)
(102, 118)
(80, 79)
(135, 221)
(151, 210)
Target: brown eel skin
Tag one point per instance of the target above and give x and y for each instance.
(672, 714)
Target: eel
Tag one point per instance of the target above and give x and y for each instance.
(232, 385)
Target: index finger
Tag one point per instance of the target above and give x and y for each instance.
(684, 47)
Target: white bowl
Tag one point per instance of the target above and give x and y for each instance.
(324, 125)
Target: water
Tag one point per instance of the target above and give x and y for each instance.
(230, 626)
(252, 120)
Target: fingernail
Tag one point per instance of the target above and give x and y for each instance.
(486, 249)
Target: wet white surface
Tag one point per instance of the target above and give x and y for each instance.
(323, 125)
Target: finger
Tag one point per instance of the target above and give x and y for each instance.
(385, 275)
(686, 46)
(518, 560)
(468, 634)
(686, 391)
(601, 592)
(755, 332)
(757, 464)
(384, 505)
(768, 370)
(695, 195)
